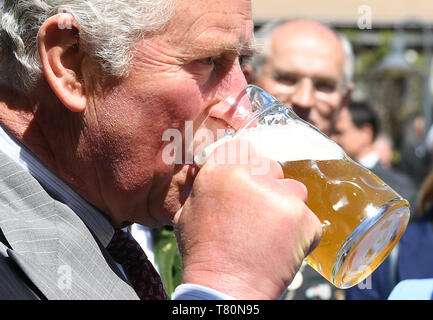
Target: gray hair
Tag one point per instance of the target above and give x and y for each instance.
(107, 30)
(264, 35)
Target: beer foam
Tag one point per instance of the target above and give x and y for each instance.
(292, 141)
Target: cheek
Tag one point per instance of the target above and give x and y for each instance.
(327, 106)
(270, 85)
(182, 101)
(170, 104)
(177, 100)
(352, 142)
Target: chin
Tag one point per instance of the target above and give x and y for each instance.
(165, 202)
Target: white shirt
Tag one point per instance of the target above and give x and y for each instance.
(370, 160)
(91, 216)
(143, 235)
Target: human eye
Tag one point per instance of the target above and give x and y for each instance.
(324, 85)
(286, 78)
(202, 66)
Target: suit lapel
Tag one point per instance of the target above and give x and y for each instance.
(51, 244)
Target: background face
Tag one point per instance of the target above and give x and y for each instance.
(305, 70)
(348, 136)
(177, 76)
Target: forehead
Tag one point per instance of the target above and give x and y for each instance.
(311, 53)
(209, 25)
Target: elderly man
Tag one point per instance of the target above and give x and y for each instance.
(87, 90)
(307, 65)
(310, 67)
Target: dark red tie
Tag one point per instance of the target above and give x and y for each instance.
(139, 270)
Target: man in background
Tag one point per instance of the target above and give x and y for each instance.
(306, 65)
(416, 151)
(383, 145)
(310, 67)
(357, 129)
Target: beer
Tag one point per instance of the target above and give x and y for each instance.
(342, 194)
(363, 218)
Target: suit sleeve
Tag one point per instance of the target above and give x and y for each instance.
(14, 285)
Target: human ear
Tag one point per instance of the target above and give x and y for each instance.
(347, 95)
(367, 131)
(62, 60)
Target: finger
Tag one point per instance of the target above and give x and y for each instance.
(315, 227)
(177, 217)
(317, 235)
(294, 188)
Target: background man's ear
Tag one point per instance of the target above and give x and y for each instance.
(367, 130)
(61, 57)
(348, 95)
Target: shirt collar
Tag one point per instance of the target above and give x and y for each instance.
(370, 160)
(56, 187)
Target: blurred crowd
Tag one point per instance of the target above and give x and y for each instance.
(310, 67)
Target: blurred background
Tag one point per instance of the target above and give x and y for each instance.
(393, 42)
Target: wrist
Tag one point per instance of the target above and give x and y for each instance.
(235, 286)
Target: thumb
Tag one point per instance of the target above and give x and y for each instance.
(294, 187)
(177, 216)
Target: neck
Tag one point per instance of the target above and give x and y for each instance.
(53, 134)
(24, 117)
(364, 152)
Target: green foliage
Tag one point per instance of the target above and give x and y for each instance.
(168, 258)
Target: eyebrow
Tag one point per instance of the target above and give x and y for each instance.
(249, 48)
(252, 47)
(289, 73)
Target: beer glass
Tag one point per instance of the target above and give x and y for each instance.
(362, 217)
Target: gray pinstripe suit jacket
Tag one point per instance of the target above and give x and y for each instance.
(46, 251)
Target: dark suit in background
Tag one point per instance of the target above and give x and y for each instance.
(397, 180)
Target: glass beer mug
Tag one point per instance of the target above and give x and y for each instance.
(362, 217)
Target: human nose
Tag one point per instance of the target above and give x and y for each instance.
(236, 79)
(233, 106)
(303, 96)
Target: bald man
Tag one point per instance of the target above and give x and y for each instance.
(309, 66)
(305, 64)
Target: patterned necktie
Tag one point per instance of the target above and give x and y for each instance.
(139, 270)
